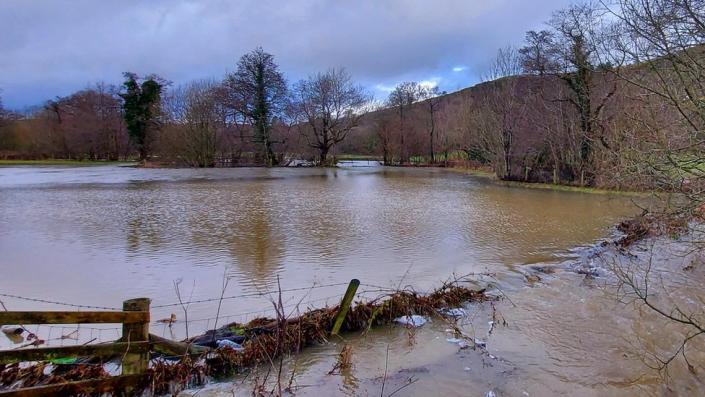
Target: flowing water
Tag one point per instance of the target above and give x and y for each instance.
(100, 235)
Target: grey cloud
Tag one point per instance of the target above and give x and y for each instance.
(50, 48)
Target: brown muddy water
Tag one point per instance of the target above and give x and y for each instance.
(99, 235)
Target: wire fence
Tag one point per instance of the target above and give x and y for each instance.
(189, 323)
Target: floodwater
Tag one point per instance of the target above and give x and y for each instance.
(99, 235)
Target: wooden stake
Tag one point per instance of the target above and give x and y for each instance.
(345, 306)
(135, 363)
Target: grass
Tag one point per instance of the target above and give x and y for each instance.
(353, 157)
(569, 188)
(544, 186)
(72, 163)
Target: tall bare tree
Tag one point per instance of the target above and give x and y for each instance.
(258, 92)
(198, 117)
(401, 98)
(500, 114)
(331, 105)
(662, 43)
(579, 32)
(539, 55)
(432, 102)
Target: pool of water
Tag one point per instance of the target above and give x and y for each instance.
(100, 235)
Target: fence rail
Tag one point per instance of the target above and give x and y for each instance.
(73, 317)
(133, 348)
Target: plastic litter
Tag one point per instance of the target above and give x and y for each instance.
(490, 394)
(64, 360)
(480, 343)
(455, 313)
(411, 321)
(228, 343)
(211, 337)
(460, 342)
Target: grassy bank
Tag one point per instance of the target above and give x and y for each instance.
(353, 157)
(71, 163)
(544, 186)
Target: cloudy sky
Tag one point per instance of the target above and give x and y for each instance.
(51, 48)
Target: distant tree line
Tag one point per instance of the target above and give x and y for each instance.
(250, 117)
(583, 101)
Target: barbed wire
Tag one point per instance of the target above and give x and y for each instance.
(267, 310)
(80, 306)
(253, 294)
(57, 302)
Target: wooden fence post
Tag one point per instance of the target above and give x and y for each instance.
(136, 363)
(345, 306)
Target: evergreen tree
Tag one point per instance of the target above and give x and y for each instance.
(141, 108)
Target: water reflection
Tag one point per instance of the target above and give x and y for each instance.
(304, 224)
(110, 233)
(256, 245)
(105, 234)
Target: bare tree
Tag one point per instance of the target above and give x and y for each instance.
(579, 31)
(665, 38)
(87, 124)
(506, 63)
(401, 98)
(539, 55)
(198, 117)
(432, 101)
(498, 117)
(331, 105)
(258, 92)
(661, 44)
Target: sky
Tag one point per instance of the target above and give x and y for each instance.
(51, 48)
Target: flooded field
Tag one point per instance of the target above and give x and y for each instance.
(100, 235)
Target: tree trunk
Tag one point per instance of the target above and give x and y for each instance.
(324, 156)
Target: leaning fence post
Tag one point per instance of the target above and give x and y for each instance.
(135, 363)
(345, 306)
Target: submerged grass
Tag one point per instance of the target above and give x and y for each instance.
(546, 186)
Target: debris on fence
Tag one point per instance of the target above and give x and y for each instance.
(212, 337)
(462, 343)
(13, 375)
(230, 344)
(455, 313)
(267, 338)
(235, 347)
(412, 321)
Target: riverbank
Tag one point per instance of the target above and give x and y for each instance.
(59, 162)
(543, 186)
(477, 172)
